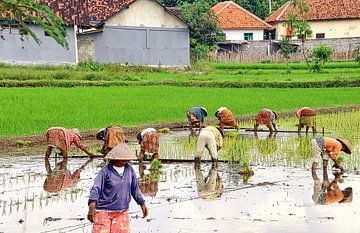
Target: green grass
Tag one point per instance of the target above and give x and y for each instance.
(336, 74)
(27, 111)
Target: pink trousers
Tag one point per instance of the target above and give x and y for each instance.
(111, 222)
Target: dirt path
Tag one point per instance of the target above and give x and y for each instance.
(38, 143)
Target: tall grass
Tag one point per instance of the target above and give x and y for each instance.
(27, 111)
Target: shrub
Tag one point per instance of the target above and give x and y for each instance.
(320, 55)
(93, 66)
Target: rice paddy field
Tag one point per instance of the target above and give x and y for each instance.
(278, 193)
(281, 195)
(29, 111)
(335, 74)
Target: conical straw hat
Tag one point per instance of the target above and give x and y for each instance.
(121, 152)
(345, 144)
(204, 110)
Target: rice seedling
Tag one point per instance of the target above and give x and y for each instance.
(71, 107)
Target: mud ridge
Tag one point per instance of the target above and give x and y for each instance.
(38, 142)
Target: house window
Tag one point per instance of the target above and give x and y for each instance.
(248, 36)
(320, 35)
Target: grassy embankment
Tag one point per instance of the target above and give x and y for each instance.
(335, 74)
(27, 111)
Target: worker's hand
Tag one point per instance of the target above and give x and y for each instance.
(341, 168)
(144, 210)
(91, 213)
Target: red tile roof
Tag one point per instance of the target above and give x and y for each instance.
(231, 16)
(80, 12)
(321, 10)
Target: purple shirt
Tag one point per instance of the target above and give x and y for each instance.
(112, 191)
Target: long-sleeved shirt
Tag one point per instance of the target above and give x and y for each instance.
(113, 192)
(74, 139)
(218, 136)
(332, 147)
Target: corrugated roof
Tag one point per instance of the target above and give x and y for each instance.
(321, 10)
(231, 16)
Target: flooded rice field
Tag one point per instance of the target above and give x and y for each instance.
(38, 195)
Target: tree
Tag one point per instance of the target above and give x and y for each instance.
(299, 25)
(285, 51)
(21, 12)
(205, 32)
(320, 55)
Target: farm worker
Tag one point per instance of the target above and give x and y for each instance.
(209, 188)
(61, 139)
(112, 136)
(210, 138)
(324, 148)
(196, 117)
(60, 177)
(149, 143)
(111, 193)
(330, 193)
(266, 117)
(226, 118)
(307, 118)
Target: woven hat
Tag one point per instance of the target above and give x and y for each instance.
(346, 145)
(76, 131)
(121, 152)
(101, 134)
(204, 110)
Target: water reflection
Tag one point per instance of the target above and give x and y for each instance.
(149, 182)
(327, 193)
(211, 186)
(60, 178)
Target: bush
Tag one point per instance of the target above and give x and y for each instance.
(320, 55)
(93, 66)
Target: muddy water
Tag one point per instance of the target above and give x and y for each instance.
(282, 196)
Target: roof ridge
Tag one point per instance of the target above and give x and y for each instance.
(283, 11)
(224, 7)
(252, 15)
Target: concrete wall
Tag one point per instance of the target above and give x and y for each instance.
(344, 45)
(239, 34)
(142, 46)
(332, 28)
(15, 51)
(145, 13)
(86, 48)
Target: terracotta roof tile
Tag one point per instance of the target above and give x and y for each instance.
(81, 11)
(322, 10)
(231, 16)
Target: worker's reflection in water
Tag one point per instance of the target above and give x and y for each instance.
(149, 182)
(210, 187)
(60, 178)
(329, 192)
